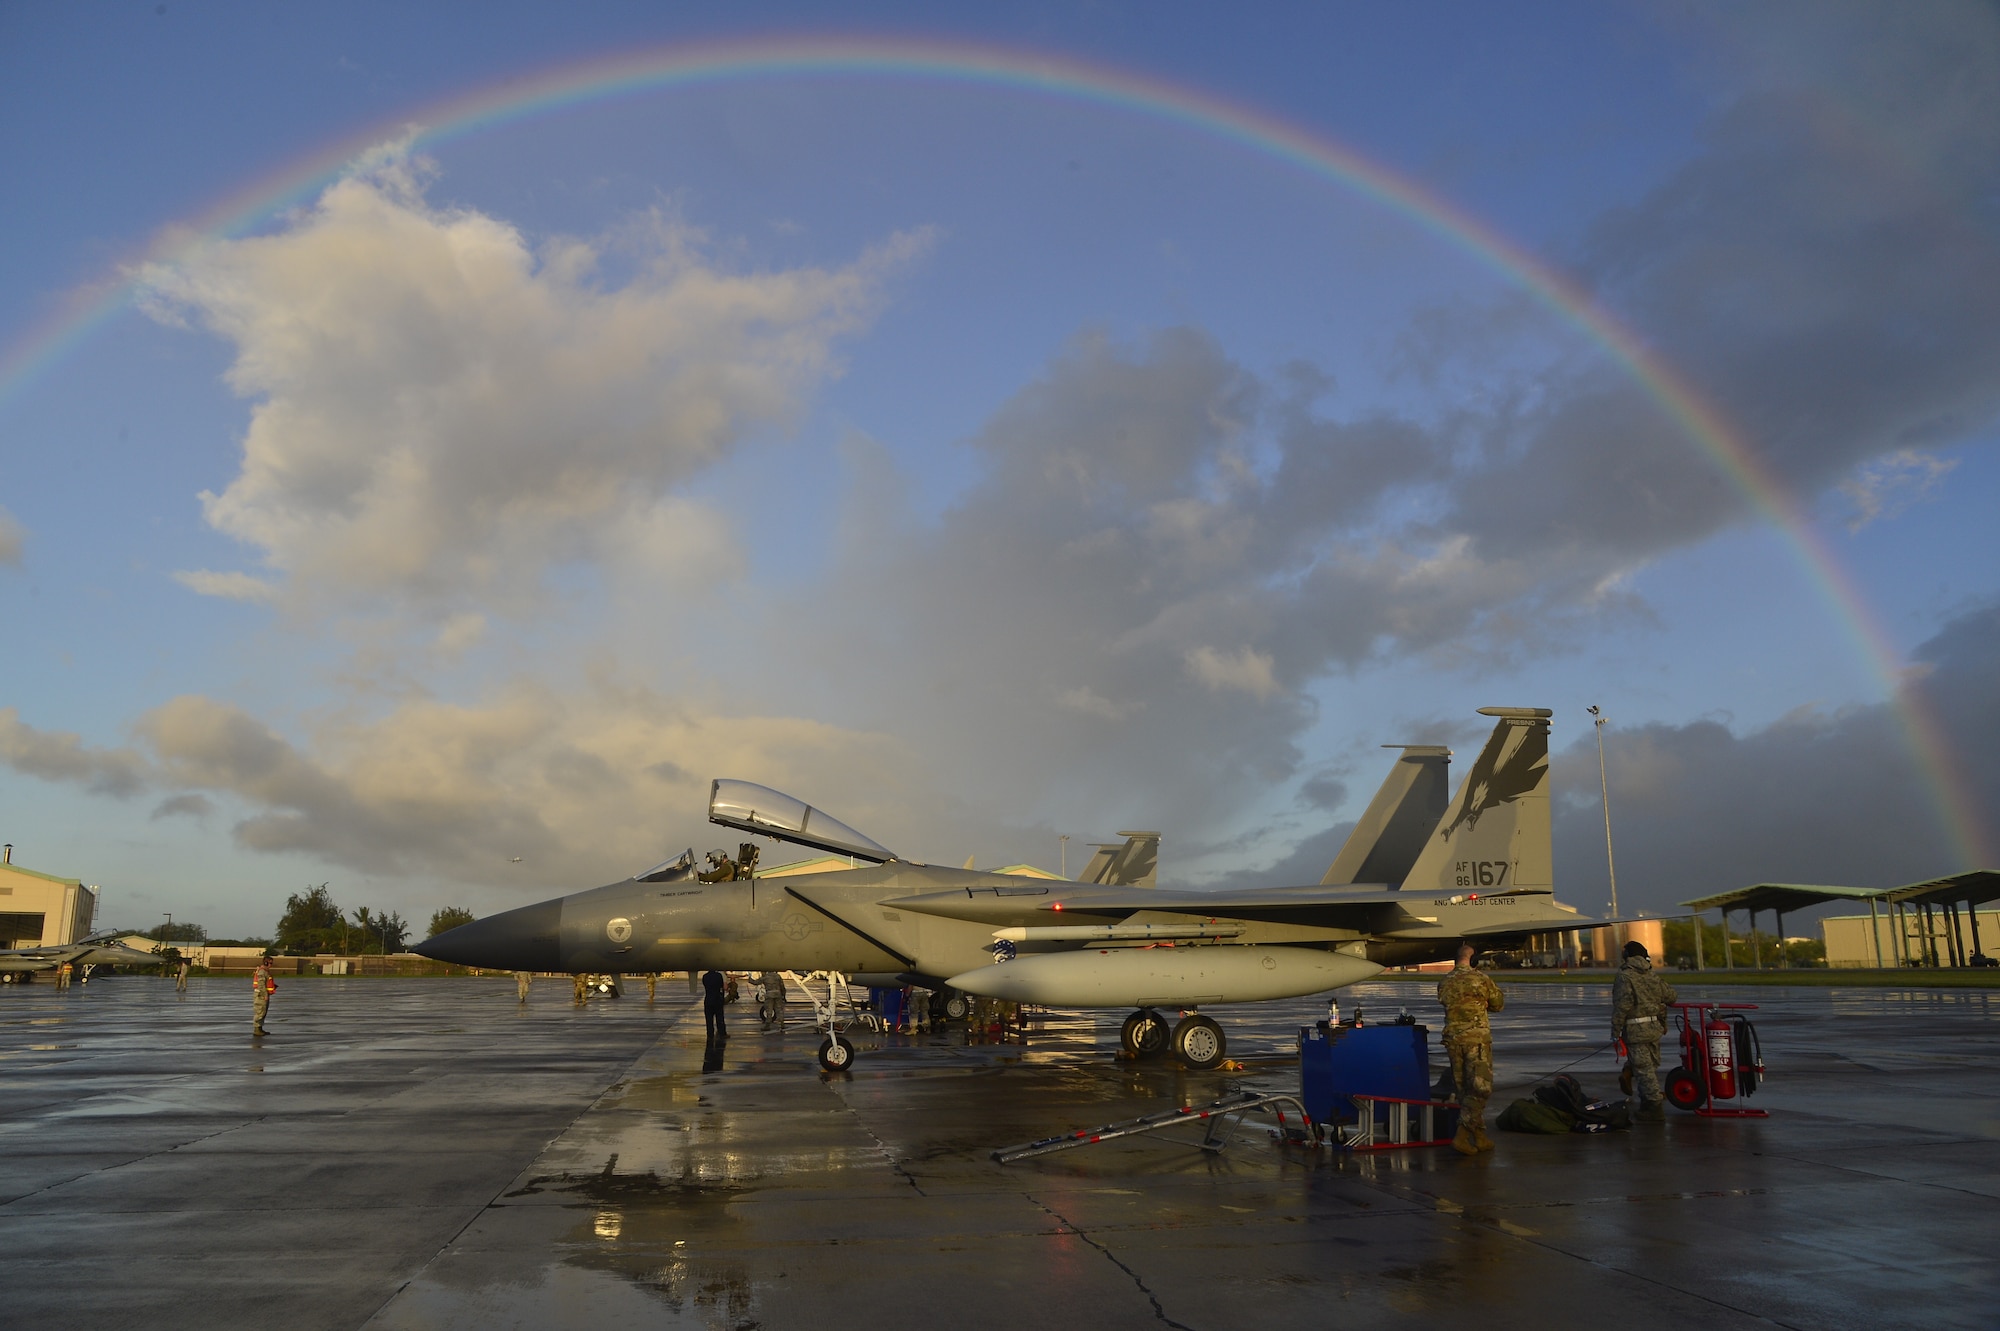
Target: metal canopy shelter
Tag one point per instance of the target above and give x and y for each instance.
(1916, 911)
(1936, 901)
(1778, 898)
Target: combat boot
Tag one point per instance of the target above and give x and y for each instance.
(1464, 1142)
(1479, 1137)
(1651, 1111)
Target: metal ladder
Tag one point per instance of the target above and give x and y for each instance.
(1222, 1119)
(1396, 1132)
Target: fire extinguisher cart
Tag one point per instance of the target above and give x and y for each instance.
(1720, 1061)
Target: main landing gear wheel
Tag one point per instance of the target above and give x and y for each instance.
(1199, 1043)
(1145, 1034)
(1683, 1090)
(836, 1054)
(957, 1007)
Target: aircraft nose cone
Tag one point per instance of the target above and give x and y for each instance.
(528, 939)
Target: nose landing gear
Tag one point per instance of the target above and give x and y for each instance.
(836, 1054)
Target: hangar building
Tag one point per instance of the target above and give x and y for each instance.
(39, 908)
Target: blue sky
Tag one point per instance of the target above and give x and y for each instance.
(980, 464)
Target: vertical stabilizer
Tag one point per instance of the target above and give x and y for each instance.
(1398, 821)
(1133, 863)
(1494, 837)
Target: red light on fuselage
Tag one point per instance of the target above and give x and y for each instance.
(1057, 906)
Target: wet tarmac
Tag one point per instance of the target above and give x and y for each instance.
(422, 1153)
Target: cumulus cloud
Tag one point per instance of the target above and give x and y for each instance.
(443, 409)
(63, 756)
(228, 586)
(1245, 668)
(183, 806)
(1887, 486)
(1159, 538)
(599, 783)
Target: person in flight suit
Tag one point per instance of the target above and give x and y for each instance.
(1468, 995)
(1640, 997)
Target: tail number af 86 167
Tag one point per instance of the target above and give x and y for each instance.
(1480, 873)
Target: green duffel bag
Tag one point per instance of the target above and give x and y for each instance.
(1534, 1116)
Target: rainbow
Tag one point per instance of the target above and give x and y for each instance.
(693, 65)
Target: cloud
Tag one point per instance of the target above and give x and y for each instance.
(1821, 796)
(63, 756)
(184, 806)
(1887, 486)
(1245, 669)
(443, 410)
(1090, 703)
(228, 586)
(591, 783)
(13, 539)
(1817, 270)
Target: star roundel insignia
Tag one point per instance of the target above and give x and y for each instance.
(618, 930)
(797, 927)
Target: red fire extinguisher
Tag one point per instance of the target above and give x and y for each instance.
(1721, 1059)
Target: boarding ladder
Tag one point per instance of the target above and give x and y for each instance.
(1402, 1123)
(1220, 1122)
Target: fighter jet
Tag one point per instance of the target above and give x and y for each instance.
(97, 950)
(1482, 870)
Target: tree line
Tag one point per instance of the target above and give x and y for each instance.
(314, 923)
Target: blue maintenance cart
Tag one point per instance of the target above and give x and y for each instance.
(1371, 1084)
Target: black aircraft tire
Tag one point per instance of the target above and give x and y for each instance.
(1683, 1090)
(957, 1007)
(836, 1054)
(1199, 1042)
(1145, 1034)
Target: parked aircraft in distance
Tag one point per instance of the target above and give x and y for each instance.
(97, 950)
(1481, 869)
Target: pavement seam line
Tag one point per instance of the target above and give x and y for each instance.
(126, 1164)
(487, 1205)
(1109, 1256)
(1465, 1215)
(895, 1164)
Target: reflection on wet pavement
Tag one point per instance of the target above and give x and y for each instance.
(422, 1153)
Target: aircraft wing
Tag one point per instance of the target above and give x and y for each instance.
(19, 959)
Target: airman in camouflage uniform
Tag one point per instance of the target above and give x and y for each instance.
(1639, 1000)
(1468, 995)
(262, 986)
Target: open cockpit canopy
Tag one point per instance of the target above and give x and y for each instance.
(766, 812)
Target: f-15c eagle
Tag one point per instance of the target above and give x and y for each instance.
(1479, 867)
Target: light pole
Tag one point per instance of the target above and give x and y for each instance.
(1604, 787)
(1063, 850)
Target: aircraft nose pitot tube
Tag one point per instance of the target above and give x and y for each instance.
(528, 939)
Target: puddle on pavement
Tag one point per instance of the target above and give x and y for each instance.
(659, 1235)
